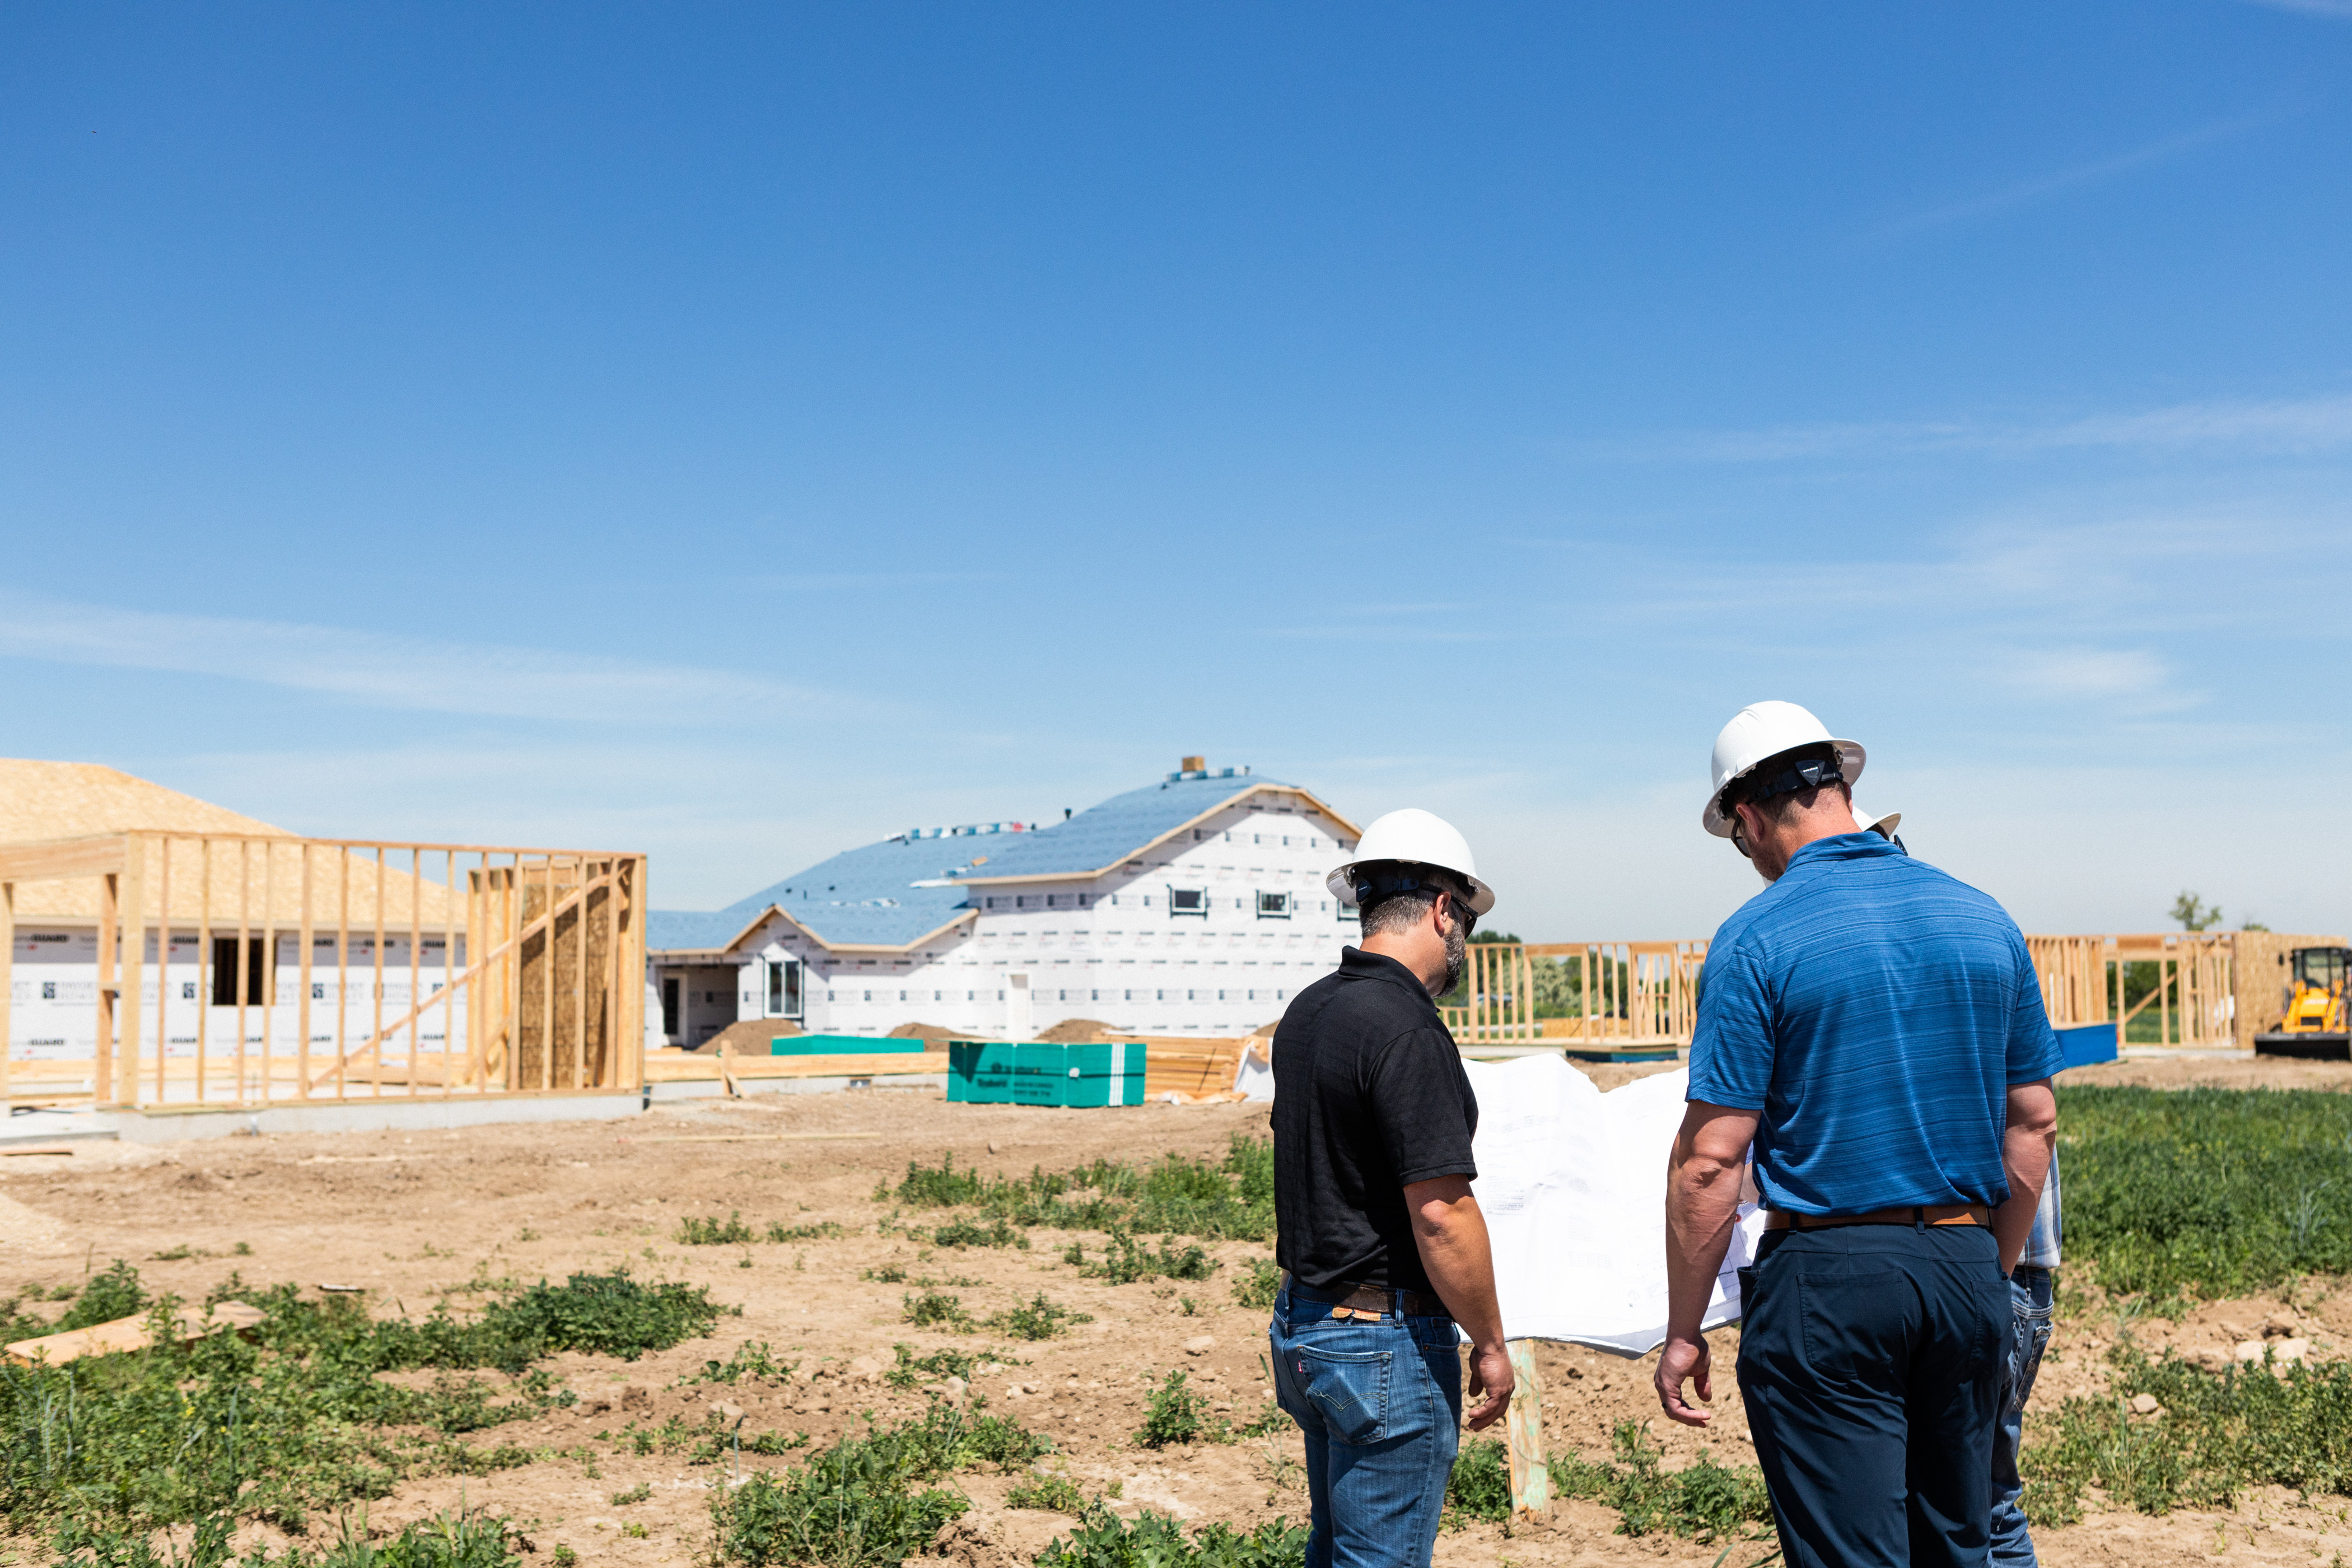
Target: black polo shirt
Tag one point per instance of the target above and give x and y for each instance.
(1369, 1094)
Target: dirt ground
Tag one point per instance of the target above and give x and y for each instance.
(409, 1216)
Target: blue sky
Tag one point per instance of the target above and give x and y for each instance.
(738, 433)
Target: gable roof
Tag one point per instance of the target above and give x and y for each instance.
(860, 898)
(1103, 837)
(258, 883)
(873, 898)
(76, 800)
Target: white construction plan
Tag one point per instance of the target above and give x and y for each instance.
(1573, 1185)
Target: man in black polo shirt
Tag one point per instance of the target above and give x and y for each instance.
(1382, 1246)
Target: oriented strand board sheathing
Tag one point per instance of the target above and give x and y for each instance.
(2260, 982)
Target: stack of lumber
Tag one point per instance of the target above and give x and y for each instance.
(1190, 1067)
(671, 1065)
(135, 1333)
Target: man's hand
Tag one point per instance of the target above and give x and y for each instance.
(1490, 1375)
(1680, 1359)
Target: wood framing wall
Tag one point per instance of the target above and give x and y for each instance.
(238, 970)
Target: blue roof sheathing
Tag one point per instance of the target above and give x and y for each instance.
(1104, 834)
(866, 896)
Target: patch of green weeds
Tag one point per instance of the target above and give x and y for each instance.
(888, 1274)
(628, 1495)
(1176, 1195)
(1175, 1414)
(823, 1230)
(113, 1292)
(1258, 1283)
(936, 1309)
(1703, 1501)
(1038, 1320)
(1126, 1260)
(965, 1233)
(1056, 1494)
(913, 1369)
(448, 1541)
(1155, 1540)
(606, 1314)
(2205, 1191)
(753, 1359)
(866, 1500)
(2216, 1435)
(296, 1418)
(694, 1230)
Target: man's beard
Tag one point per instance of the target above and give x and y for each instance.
(1457, 953)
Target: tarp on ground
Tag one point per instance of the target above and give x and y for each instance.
(1573, 1183)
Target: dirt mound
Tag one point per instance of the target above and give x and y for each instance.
(747, 1037)
(934, 1033)
(1081, 1032)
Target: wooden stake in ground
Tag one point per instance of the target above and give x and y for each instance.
(1530, 1481)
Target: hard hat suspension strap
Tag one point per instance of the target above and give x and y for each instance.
(1785, 775)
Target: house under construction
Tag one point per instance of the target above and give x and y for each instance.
(162, 950)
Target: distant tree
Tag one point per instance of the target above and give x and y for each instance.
(2253, 925)
(1494, 936)
(2194, 913)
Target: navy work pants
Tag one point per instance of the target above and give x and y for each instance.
(1870, 1358)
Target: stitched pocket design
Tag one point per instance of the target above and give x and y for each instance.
(1350, 1389)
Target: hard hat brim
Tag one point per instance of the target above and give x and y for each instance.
(1342, 883)
(1851, 757)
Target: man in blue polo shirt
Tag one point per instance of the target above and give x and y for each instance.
(1874, 1029)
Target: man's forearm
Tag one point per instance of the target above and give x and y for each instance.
(1702, 1207)
(1461, 1267)
(2025, 1159)
(2025, 1150)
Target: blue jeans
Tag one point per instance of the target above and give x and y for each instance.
(1380, 1403)
(2029, 1294)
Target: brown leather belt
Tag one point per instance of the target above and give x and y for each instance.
(1932, 1213)
(1369, 1301)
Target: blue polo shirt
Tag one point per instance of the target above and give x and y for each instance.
(1876, 1011)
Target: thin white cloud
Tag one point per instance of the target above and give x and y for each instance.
(2041, 186)
(2069, 672)
(2279, 426)
(380, 670)
(2308, 7)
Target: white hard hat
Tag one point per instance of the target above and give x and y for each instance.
(1884, 827)
(1421, 837)
(1759, 733)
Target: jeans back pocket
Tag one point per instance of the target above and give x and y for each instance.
(1349, 1389)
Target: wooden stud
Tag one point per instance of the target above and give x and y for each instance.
(415, 965)
(579, 987)
(8, 982)
(449, 974)
(376, 1051)
(547, 979)
(268, 999)
(101, 1086)
(344, 861)
(162, 958)
(244, 957)
(302, 1001)
(1531, 1479)
(204, 964)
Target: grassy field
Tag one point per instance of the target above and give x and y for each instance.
(2173, 1198)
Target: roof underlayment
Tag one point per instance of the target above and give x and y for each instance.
(870, 897)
